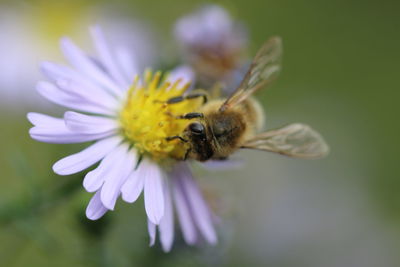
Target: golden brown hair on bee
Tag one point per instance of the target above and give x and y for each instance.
(218, 134)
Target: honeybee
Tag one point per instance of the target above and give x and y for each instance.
(222, 126)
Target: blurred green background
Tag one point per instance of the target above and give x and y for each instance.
(340, 75)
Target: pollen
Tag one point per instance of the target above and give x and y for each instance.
(147, 119)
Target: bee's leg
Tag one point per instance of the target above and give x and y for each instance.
(187, 116)
(187, 154)
(191, 115)
(170, 138)
(179, 99)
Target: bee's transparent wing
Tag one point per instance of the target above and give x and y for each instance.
(262, 71)
(294, 140)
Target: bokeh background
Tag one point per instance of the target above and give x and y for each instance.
(340, 75)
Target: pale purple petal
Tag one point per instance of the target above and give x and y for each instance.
(90, 93)
(95, 178)
(153, 193)
(227, 164)
(56, 73)
(117, 175)
(201, 212)
(84, 64)
(44, 121)
(95, 210)
(151, 228)
(107, 58)
(88, 124)
(58, 133)
(87, 157)
(59, 97)
(134, 184)
(206, 27)
(185, 217)
(127, 62)
(166, 227)
(183, 73)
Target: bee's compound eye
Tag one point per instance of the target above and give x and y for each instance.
(196, 128)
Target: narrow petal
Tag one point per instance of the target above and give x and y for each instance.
(44, 121)
(185, 217)
(95, 210)
(106, 57)
(116, 177)
(79, 82)
(88, 124)
(184, 73)
(166, 227)
(127, 62)
(55, 72)
(95, 178)
(62, 135)
(87, 157)
(153, 193)
(134, 184)
(84, 64)
(55, 95)
(88, 92)
(227, 164)
(201, 212)
(151, 228)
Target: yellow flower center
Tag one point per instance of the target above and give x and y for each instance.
(147, 120)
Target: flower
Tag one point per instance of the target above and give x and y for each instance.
(128, 119)
(213, 44)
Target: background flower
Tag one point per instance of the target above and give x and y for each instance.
(213, 44)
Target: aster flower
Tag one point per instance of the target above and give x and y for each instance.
(126, 118)
(213, 44)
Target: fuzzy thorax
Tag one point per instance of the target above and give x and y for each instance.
(147, 120)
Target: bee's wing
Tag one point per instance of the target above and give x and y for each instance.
(294, 140)
(262, 71)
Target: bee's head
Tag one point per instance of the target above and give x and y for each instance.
(201, 149)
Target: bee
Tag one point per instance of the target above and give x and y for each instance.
(222, 126)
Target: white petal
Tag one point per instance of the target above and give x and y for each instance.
(59, 134)
(54, 72)
(84, 64)
(166, 227)
(80, 82)
(227, 164)
(127, 62)
(134, 184)
(95, 210)
(88, 92)
(153, 193)
(88, 124)
(185, 217)
(55, 95)
(201, 212)
(87, 157)
(106, 57)
(44, 121)
(116, 177)
(95, 178)
(183, 73)
(151, 228)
